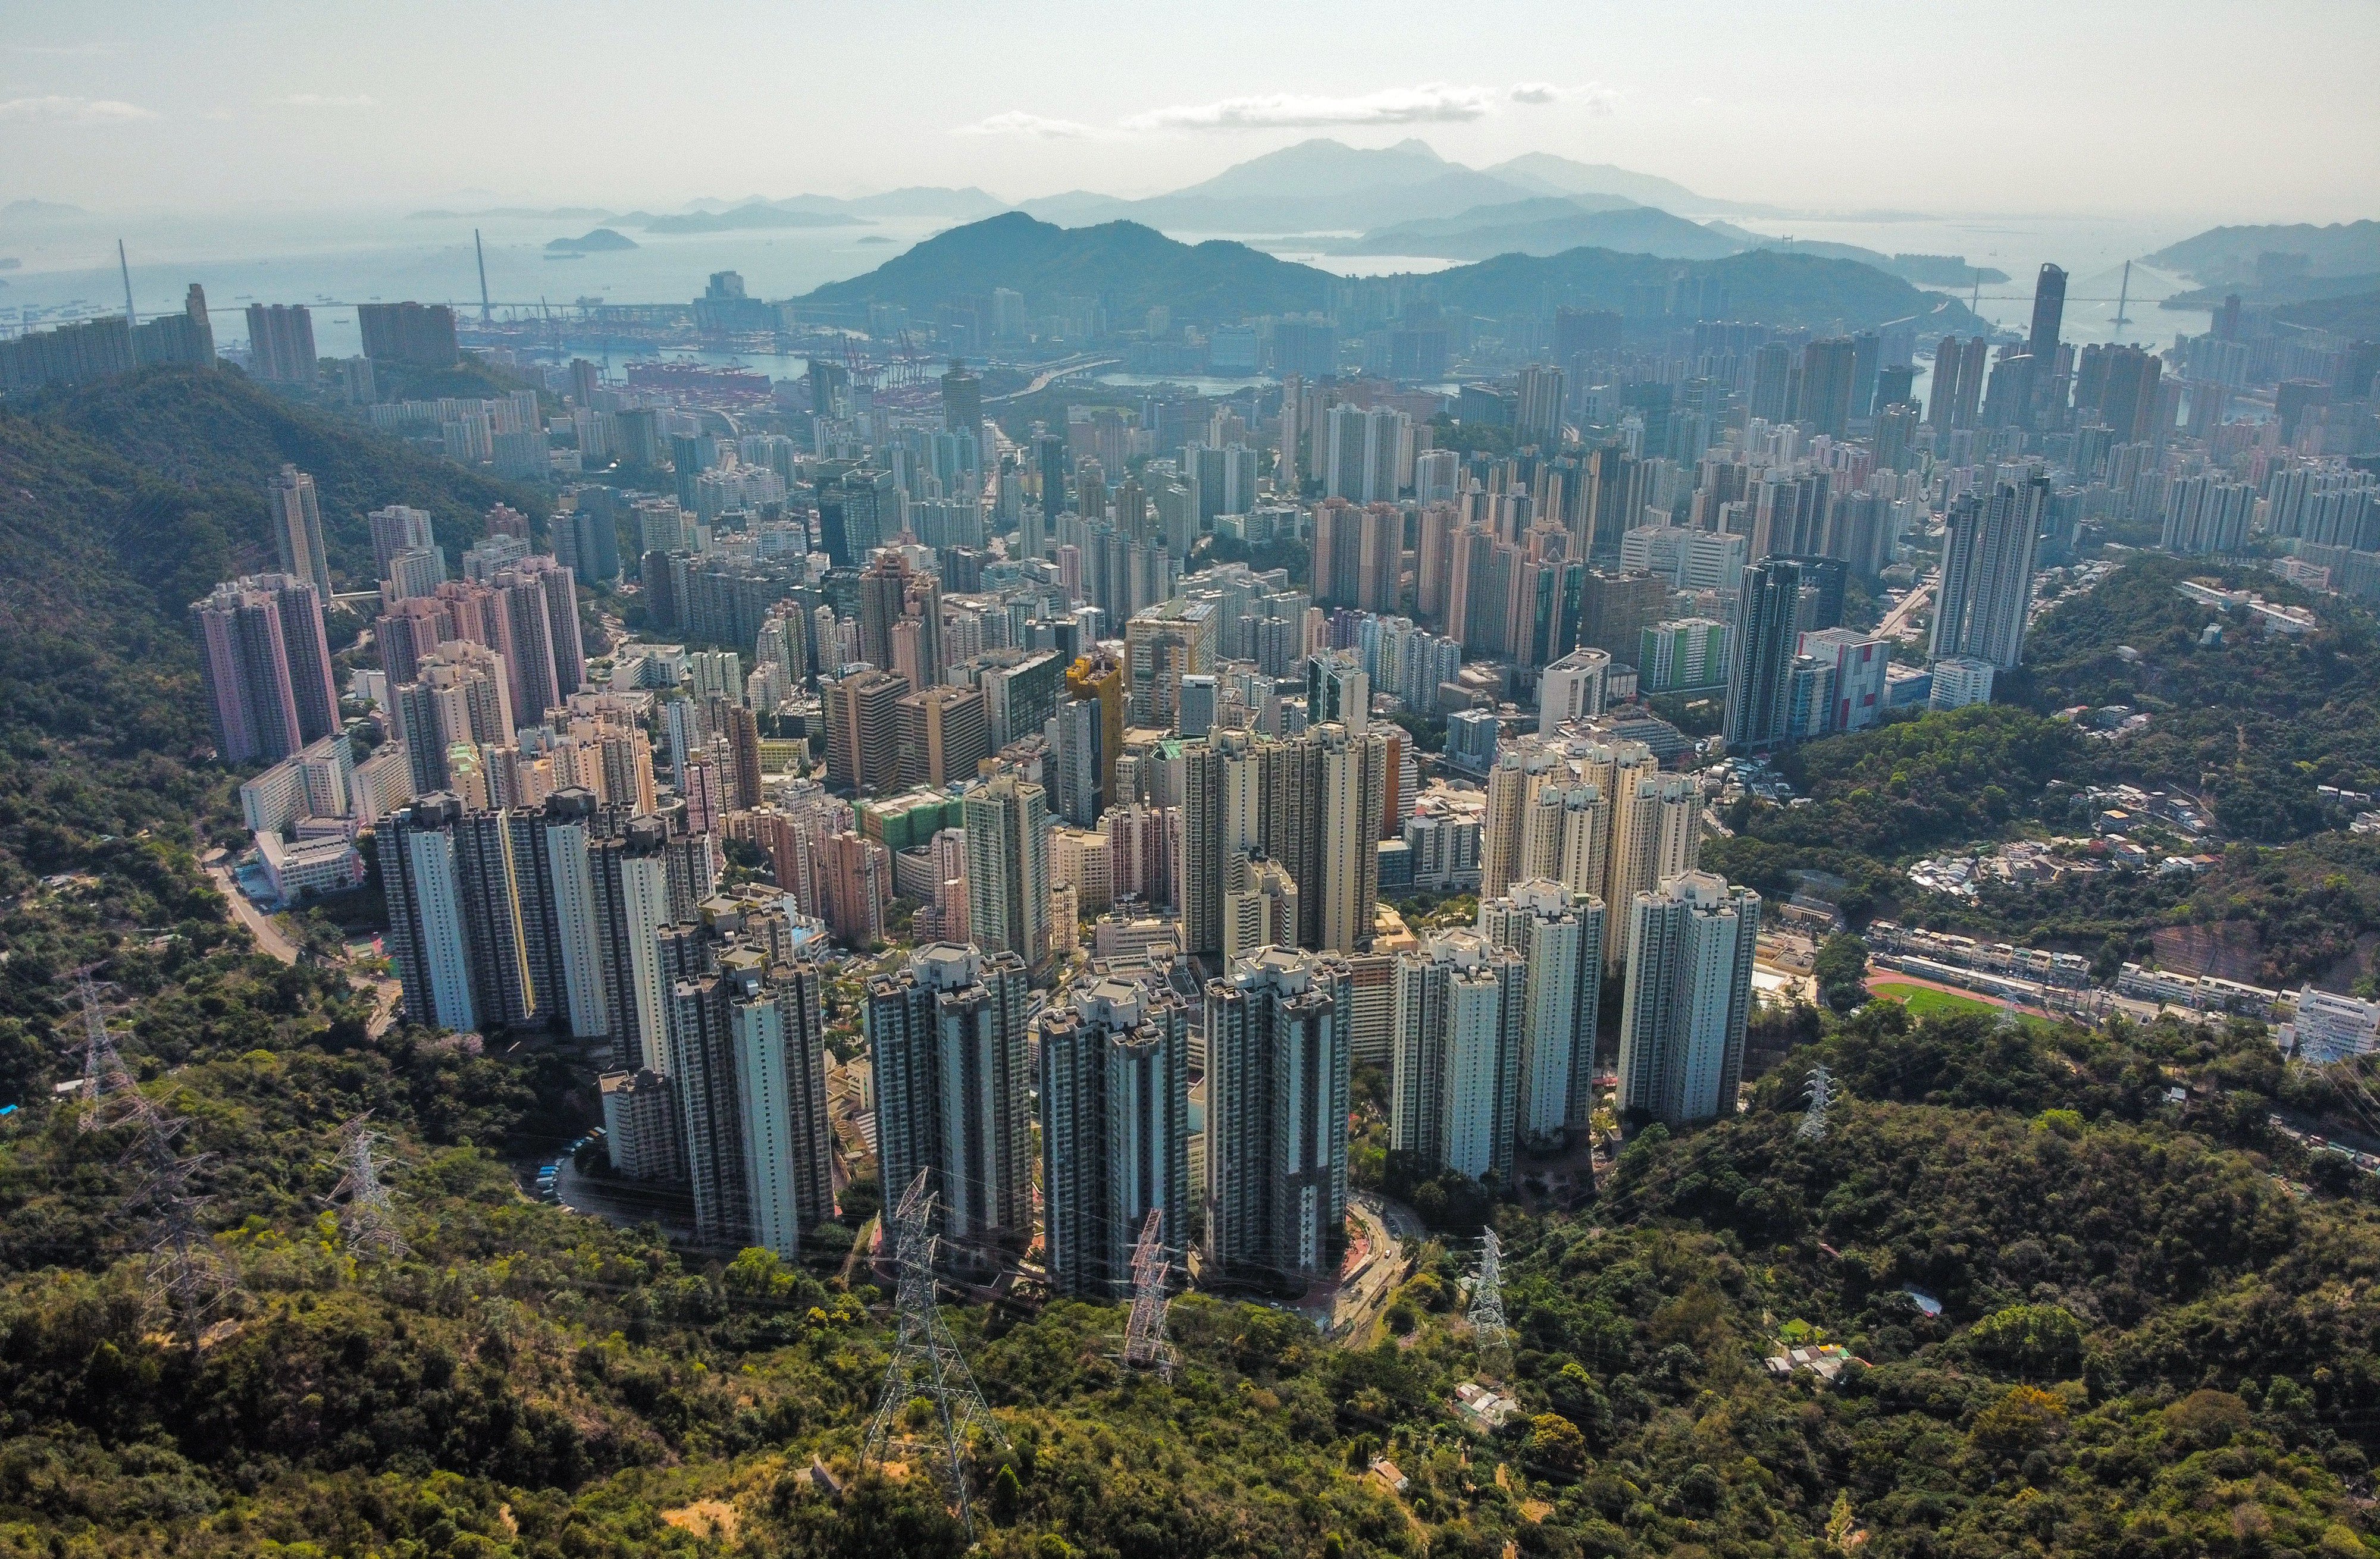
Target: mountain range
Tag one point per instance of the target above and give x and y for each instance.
(2228, 254)
(1314, 185)
(1546, 224)
(1322, 185)
(1135, 268)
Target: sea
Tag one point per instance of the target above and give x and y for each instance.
(67, 267)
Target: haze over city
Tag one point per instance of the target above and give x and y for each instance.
(2194, 109)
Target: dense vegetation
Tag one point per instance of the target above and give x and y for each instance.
(2248, 727)
(2254, 723)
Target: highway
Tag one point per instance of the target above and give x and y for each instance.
(1051, 375)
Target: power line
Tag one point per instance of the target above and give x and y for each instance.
(926, 1360)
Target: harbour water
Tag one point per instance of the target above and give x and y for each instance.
(67, 267)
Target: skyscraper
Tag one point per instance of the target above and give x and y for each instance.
(1762, 655)
(1829, 370)
(1462, 1015)
(962, 400)
(1538, 419)
(281, 344)
(2041, 347)
(427, 945)
(748, 1052)
(1689, 998)
(1364, 448)
(1559, 934)
(397, 528)
(265, 662)
(1115, 1134)
(1985, 594)
(947, 1039)
(297, 529)
(1007, 824)
(1279, 1049)
(863, 730)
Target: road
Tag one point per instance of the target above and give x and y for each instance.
(1911, 604)
(1360, 1302)
(269, 938)
(274, 942)
(1050, 376)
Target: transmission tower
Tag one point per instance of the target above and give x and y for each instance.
(184, 1267)
(1488, 1297)
(925, 1358)
(1145, 1346)
(1821, 1092)
(370, 1214)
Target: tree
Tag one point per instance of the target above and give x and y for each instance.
(1841, 973)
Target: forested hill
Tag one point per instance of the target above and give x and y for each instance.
(120, 503)
(1131, 268)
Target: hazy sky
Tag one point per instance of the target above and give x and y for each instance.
(2172, 107)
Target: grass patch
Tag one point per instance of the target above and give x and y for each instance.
(1924, 1000)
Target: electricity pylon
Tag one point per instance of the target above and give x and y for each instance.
(925, 1358)
(184, 1267)
(368, 1215)
(1145, 1346)
(1487, 1298)
(1821, 1092)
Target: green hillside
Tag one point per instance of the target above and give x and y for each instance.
(1132, 268)
(120, 503)
(1129, 267)
(2250, 727)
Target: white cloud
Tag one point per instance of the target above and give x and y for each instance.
(1018, 122)
(70, 110)
(1595, 97)
(1431, 103)
(322, 99)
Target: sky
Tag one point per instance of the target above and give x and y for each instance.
(2217, 112)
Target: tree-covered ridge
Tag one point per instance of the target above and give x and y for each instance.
(1131, 267)
(212, 429)
(2136, 1316)
(2253, 722)
(120, 503)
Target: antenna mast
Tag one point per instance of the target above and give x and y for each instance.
(1821, 1089)
(485, 313)
(125, 266)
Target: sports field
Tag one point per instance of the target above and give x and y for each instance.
(1922, 999)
